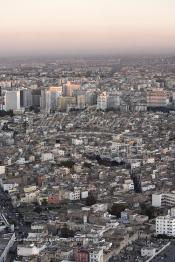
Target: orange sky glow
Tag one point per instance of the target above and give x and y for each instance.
(86, 26)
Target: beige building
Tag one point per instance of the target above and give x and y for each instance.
(70, 88)
(65, 101)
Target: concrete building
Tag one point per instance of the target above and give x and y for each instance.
(36, 95)
(96, 255)
(102, 101)
(69, 88)
(113, 102)
(12, 100)
(148, 251)
(25, 98)
(157, 98)
(47, 157)
(159, 200)
(52, 98)
(81, 255)
(65, 101)
(165, 225)
(91, 98)
(28, 250)
(81, 101)
(75, 195)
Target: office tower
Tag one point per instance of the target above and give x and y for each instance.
(36, 94)
(91, 98)
(64, 102)
(137, 183)
(12, 100)
(25, 98)
(43, 100)
(52, 97)
(21, 98)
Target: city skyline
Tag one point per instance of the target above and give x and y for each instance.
(86, 27)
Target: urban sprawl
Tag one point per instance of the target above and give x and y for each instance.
(87, 159)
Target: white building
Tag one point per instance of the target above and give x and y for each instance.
(75, 195)
(12, 100)
(96, 255)
(148, 251)
(84, 194)
(165, 225)
(6, 186)
(28, 250)
(30, 197)
(47, 157)
(128, 185)
(77, 142)
(2, 170)
(159, 200)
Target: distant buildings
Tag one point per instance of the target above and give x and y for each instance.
(65, 102)
(108, 101)
(52, 98)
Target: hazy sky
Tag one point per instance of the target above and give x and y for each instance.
(86, 26)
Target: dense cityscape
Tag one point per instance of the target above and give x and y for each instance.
(87, 159)
(87, 131)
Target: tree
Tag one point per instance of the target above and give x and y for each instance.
(10, 112)
(150, 211)
(66, 232)
(116, 209)
(38, 209)
(90, 200)
(44, 202)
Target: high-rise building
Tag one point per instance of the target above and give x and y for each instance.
(113, 102)
(157, 98)
(12, 100)
(36, 95)
(52, 98)
(43, 100)
(137, 181)
(1, 99)
(66, 101)
(69, 88)
(25, 98)
(91, 98)
(102, 101)
(81, 101)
